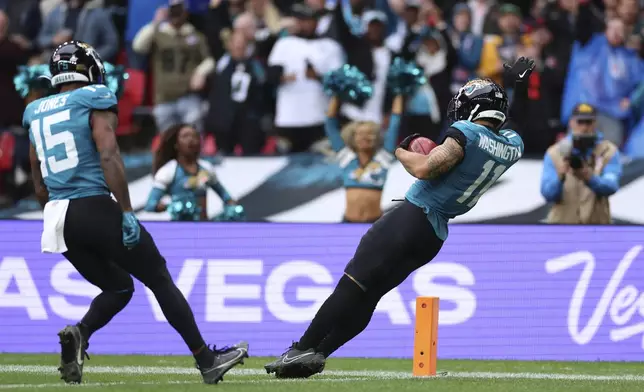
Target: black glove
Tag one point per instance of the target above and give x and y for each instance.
(407, 141)
(521, 69)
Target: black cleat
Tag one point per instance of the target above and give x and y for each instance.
(72, 354)
(225, 359)
(296, 363)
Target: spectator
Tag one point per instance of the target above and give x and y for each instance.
(580, 172)
(438, 58)
(13, 52)
(545, 89)
(81, 20)
(375, 23)
(325, 17)
(629, 11)
(603, 73)
(267, 17)
(404, 40)
(468, 47)
(296, 64)
(347, 28)
(27, 20)
(180, 63)
(222, 14)
(505, 47)
(236, 104)
(484, 15)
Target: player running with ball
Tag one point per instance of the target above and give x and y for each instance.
(475, 152)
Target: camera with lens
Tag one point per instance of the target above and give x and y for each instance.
(581, 145)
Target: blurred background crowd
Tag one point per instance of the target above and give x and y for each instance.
(248, 73)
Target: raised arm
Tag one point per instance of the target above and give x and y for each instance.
(215, 184)
(103, 123)
(391, 137)
(520, 73)
(332, 125)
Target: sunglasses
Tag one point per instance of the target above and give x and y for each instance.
(585, 122)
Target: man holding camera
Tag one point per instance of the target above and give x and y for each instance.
(580, 172)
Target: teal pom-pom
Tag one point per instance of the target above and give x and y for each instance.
(405, 77)
(32, 77)
(348, 84)
(37, 77)
(115, 78)
(232, 213)
(184, 209)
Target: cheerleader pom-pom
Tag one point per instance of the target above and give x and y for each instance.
(232, 213)
(32, 77)
(184, 209)
(115, 77)
(405, 77)
(38, 77)
(348, 84)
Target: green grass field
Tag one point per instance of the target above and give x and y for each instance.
(161, 374)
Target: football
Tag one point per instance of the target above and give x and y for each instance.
(422, 145)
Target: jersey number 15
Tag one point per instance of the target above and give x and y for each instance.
(487, 168)
(41, 129)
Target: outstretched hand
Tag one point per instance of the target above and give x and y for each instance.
(521, 69)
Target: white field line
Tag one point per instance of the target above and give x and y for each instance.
(170, 382)
(338, 375)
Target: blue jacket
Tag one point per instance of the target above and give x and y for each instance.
(604, 184)
(94, 26)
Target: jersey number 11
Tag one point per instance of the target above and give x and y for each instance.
(487, 168)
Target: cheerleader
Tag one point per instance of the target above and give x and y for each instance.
(180, 173)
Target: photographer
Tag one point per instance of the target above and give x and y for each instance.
(580, 172)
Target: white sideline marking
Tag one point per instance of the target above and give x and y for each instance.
(339, 375)
(131, 383)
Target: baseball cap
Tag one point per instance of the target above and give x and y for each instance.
(372, 16)
(584, 111)
(413, 3)
(303, 11)
(508, 8)
(460, 7)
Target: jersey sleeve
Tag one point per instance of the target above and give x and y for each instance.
(96, 97)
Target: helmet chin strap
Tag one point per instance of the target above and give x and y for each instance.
(473, 111)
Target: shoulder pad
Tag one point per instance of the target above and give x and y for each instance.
(96, 96)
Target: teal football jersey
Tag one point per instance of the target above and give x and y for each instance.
(488, 155)
(59, 129)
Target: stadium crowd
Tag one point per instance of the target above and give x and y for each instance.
(247, 74)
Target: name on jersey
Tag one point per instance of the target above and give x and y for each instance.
(498, 149)
(51, 104)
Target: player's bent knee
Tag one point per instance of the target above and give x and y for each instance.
(124, 296)
(354, 280)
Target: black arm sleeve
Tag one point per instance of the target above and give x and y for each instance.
(456, 135)
(519, 106)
